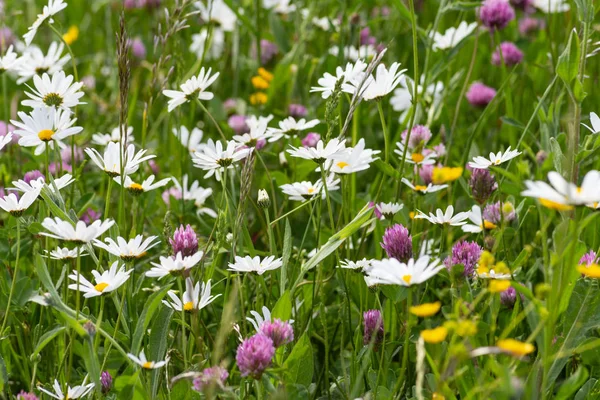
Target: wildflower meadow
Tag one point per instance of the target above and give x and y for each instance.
(299, 199)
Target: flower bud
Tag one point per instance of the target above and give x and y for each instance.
(263, 199)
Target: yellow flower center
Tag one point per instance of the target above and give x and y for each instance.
(417, 157)
(435, 335)
(554, 205)
(426, 309)
(147, 365)
(407, 278)
(135, 188)
(101, 286)
(591, 271)
(189, 306)
(515, 347)
(420, 188)
(578, 190)
(45, 135)
(311, 190)
(497, 286)
(342, 164)
(488, 225)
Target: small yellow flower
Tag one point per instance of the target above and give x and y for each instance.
(554, 205)
(466, 328)
(266, 75)
(445, 174)
(486, 259)
(437, 396)
(435, 335)
(498, 285)
(259, 82)
(488, 225)
(258, 98)
(591, 271)
(71, 35)
(426, 309)
(515, 347)
(411, 215)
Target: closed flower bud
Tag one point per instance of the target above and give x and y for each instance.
(482, 185)
(263, 199)
(106, 381)
(373, 327)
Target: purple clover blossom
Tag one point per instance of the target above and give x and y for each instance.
(419, 135)
(496, 14)
(510, 52)
(6, 38)
(54, 168)
(366, 38)
(297, 110)
(171, 192)
(138, 49)
(254, 355)
(311, 139)
(588, 258)
(373, 327)
(65, 154)
(508, 297)
(184, 241)
(482, 184)
(230, 105)
(480, 95)
(90, 215)
(529, 25)
(210, 376)
(106, 381)
(268, 50)
(378, 214)
(238, 124)
(465, 253)
(23, 395)
(154, 167)
(525, 5)
(33, 176)
(499, 211)
(426, 173)
(280, 332)
(397, 243)
(440, 149)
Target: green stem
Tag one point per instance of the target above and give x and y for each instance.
(385, 132)
(404, 366)
(212, 119)
(14, 280)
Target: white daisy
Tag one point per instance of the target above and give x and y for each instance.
(595, 122)
(106, 281)
(363, 265)
(279, 6)
(562, 195)
(218, 12)
(80, 233)
(60, 91)
(445, 217)
(194, 298)
(321, 152)
(110, 161)
(401, 100)
(103, 139)
(45, 127)
(382, 83)
(552, 6)
(417, 158)
(197, 194)
(259, 319)
(39, 183)
(53, 7)
(173, 265)
(290, 126)
(10, 61)
(6, 139)
(143, 362)
(15, 206)
(353, 159)
(139, 188)
(216, 47)
(452, 36)
(367, 51)
(390, 271)
(250, 264)
(190, 140)
(479, 224)
(258, 131)
(306, 190)
(64, 253)
(388, 210)
(494, 160)
(133, 249)
(75, 392)
(351, 73)
(431, 188)
(34, 62)
(195, 87)
(215, 159)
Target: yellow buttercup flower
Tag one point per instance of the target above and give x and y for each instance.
(591, 271)
(445, 174)
(411, 215)
(259, 82)
(258, 98)
(426, 309)
(266, 75)
(515, 347)
(497, 285)
(71, 35)
(486, 259)
(435, 335)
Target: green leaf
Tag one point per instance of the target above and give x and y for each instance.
(299, 366)
(572, 384)
(153, 302)
(283, 307)
(387, 169)
(45, 339)
(279, 33)
(287, 252)
(557, 155)
(568, 62)
(157, 346)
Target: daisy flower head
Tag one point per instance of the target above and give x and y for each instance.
(258, 132)
(193, 88)
(215, 158)
(217, 12)
(39, 183)
(53, 7)
(422, 189)
(174, 265)
(35, 62)
(190, 140)
(58, 91)
(353, 159)
(6, 139)
(494, 159)
(9, 61)
(388, 210)
(45, 127)
(16, 206)
(363, 265)
(327, 83)
(103, 139)
(552, 6)
(563, 195)
(390, 271)
(217, 44)
(75, 392)
(106, 281)
(452, 36)
(416, 156)
(320, 152)
(133, 249)
(110, 161)
(401, 100)
(195, 297)
(445, 217)
(594, 122)
(302, 191)
(255, 264)
(80, 233)
(64, 253)
(290, 127)
(479, 224)
(143, 362)
(139, 188)
(382, 83)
